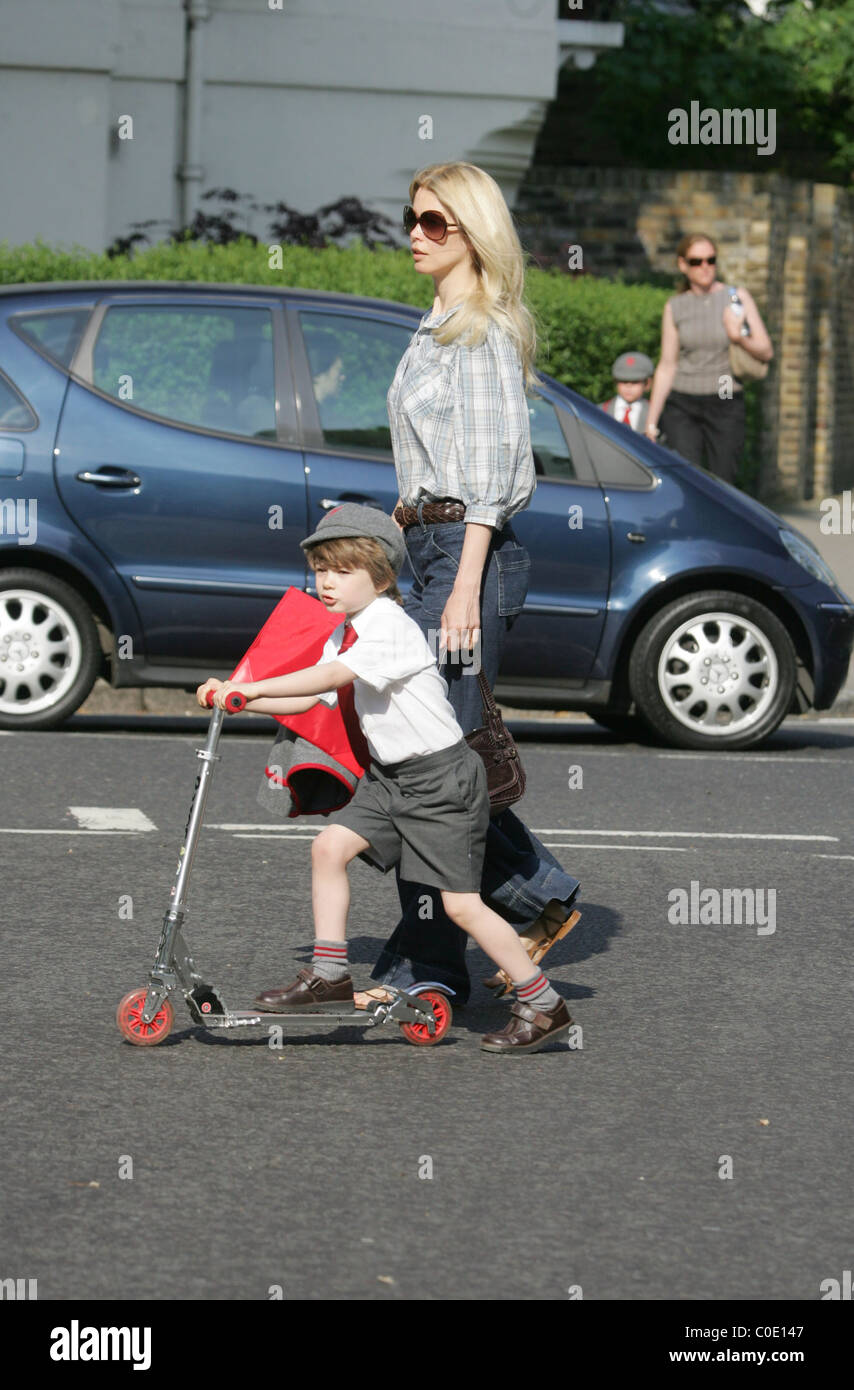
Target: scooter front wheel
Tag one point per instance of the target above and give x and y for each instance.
(418, 1033)
(132, 1025)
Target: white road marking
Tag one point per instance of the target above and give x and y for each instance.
(111, 818)
(648, 849)
(832, 856)
(275, 837)
(754, 757)
(691, 834)
(6, 831)
(568, 830)
(252, 825)
(720, 757)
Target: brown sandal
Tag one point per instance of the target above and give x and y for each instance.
(361, 998)
(536, 946)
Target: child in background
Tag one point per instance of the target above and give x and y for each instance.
(424, 799)
(633, 373)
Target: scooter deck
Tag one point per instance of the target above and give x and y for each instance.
(245, 1018)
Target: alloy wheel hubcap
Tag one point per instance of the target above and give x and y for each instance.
(718, 674)
(40, 651)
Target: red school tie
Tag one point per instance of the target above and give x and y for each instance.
(627, 418)
(347, 706)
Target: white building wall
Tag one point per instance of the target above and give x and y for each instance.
(307, 104)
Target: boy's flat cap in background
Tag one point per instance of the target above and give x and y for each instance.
(632, 366)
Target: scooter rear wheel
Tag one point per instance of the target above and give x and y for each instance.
(418, 1033)
(131, 1025)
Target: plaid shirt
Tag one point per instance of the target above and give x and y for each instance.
(460, 425)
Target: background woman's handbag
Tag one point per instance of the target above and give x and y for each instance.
(742, 363)
(505, 775)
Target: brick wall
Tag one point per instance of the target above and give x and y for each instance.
(789, 241)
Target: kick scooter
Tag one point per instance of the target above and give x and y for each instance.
(145, 1016)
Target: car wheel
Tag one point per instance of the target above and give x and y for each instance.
(713, 670)
(49, 650)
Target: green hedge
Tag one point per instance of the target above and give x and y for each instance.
(583, 323)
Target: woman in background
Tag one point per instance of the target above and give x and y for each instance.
(697, 328)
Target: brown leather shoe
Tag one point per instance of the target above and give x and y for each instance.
(529, 1029)
(307, 992)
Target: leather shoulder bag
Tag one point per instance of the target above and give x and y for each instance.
(742, 363)
(505, 774)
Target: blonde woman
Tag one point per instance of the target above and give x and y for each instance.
(461, 438)
(697, 328)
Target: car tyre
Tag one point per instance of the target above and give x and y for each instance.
(713, 670)
(50, 654)
(628, 726)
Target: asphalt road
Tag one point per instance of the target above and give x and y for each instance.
(598, 1166)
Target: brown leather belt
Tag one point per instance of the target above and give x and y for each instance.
(432, 513)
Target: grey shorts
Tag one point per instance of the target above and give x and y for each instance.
(428, 814)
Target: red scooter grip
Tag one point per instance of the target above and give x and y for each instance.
(234, 703)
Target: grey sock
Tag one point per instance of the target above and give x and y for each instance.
(330, 960)
(537, 992)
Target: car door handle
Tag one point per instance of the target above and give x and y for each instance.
(118, 477)
(637, 536)
(360, 497)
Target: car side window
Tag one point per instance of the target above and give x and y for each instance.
(552, 455)
(55, 332)
(15, 412)
(205, 365)
(614, 467)
(352, 362)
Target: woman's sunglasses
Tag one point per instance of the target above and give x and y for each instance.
(702, 260)
(433, 224)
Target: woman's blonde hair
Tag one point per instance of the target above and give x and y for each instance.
(475, 202)
(684, 247)
(357, 552)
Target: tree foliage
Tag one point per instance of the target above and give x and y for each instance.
(795, 59)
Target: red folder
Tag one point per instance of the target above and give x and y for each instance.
(292, 638)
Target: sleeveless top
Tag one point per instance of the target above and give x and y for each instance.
(703, 342)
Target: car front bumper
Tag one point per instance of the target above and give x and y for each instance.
(828, 618)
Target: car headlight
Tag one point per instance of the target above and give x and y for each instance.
(808, 557)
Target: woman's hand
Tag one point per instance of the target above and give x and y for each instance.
(202, 693)
(757, 342)
(459, 627)
(732, 324)
(652, 432)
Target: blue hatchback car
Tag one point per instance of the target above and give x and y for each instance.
(164, 448)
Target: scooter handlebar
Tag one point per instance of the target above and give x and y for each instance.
(234, 702)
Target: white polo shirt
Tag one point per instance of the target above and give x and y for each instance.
(400, 697)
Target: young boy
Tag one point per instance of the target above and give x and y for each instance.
(632, 373)
(423, 800)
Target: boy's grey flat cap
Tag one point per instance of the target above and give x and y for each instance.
(352, 519)
(632, 366)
